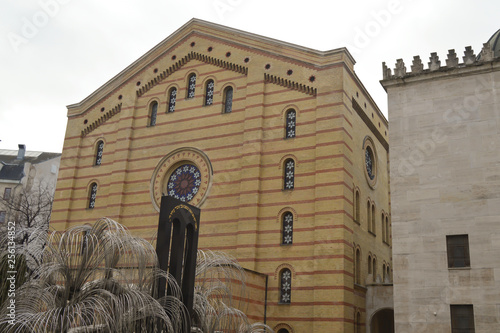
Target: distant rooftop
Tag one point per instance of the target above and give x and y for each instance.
(12, 161)
(10, 152)
(9, 156)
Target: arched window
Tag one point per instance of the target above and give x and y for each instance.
(357, 324)
(374, 269)
(287, 229)
(171, 99)
(209, 92)
(383, 226)
(227, 104)
(191, 86)
(285, 286)
(289, 174)
(153, 111)
(368, 215)
(357, 269)
(383, 273)
(388, 273)
(356, 206)
(387, 231)
(99, 151)
(283, 330)
(373, 219)
(92, 195)
(290, 124)
(370, 269)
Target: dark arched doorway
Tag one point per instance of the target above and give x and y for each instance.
(382, 321)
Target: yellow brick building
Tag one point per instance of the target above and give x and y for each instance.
(280, 146)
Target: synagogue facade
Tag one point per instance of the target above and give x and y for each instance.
(280, 146)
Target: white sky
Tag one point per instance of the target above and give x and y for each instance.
(78, 45)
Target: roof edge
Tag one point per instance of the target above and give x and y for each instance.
(129, 71)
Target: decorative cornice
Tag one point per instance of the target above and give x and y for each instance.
(102, 120)
(290, 84)
(191, 56)
(370, 124)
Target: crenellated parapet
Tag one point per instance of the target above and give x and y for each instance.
(434, 64)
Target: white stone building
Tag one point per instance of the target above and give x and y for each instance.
(445, 180)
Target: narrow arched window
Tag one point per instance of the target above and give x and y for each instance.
(357, 269)
(374, 269)
(209, 92)
(373, 219)
(191, 85)
(387, 231)
(227, 106)
(285, 286)
(287, 229)
(368, 215)
(171, 99)
(99, 152)
(289, 174)
(383, 226)
(153, 113)
(290, 124)
(358, 322)
(383, 273)
(388, 274)
(370, 270)
(92, 195)
(356, 206)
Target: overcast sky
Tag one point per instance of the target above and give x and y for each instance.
(57, 52)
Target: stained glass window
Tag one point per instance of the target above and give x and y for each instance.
(93, 195)
(287, 229)
(98, 155)
(369, 163)
(184, 182)
(209, 92)
(289, 174)
(290, 123)
(285, 286)
(154, 112)
(228, 99)
(171, 100)
(191, 85)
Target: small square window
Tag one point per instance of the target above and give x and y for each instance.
(462, 318)
(457, 247)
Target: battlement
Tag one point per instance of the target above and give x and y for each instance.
(417, 68)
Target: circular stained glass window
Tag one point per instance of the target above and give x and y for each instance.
(184, 182)
(369, 163)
